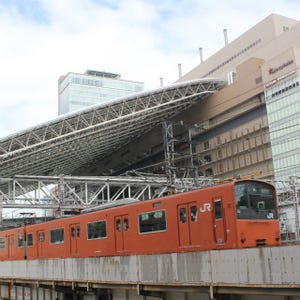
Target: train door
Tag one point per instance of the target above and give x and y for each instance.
(74, 233)
(11, 245)
(219, 222)
(121, 231)
(187, 215)
(41, 243)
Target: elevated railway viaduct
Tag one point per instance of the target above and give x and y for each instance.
(261, 273)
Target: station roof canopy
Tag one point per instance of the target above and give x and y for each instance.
(70, 141)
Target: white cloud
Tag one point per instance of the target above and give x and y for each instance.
(140, 39)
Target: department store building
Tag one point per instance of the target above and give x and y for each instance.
(252, 126)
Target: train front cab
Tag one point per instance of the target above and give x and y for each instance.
(256, 214)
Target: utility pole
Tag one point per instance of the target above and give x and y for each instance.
(293, 181)
(1, 210)
(169, 152)
(169, 149)
(193, 167)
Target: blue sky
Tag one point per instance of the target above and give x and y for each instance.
(142, 40)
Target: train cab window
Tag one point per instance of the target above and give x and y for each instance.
(126, 224)
(96, 230)
(2, 243)
(152, 221)
(182, 215)
(218, 209)
(255, 200)
(57, 236)
(29, 239)
(20, 240)
(193, 212)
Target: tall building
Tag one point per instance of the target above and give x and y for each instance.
(76, 91)
(252, 125)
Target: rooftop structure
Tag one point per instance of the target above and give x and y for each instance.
(78, 139)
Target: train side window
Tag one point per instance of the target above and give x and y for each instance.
(118, 225)
(78, 231)
(152, 221)
(218, 209)
(20, 240)
(193, 212)
(2, 243)
(57, 236)
(182, 214)
(73, 231)
(126, 224)
(29, 239)
(96, 230)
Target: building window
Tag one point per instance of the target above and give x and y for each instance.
(220, 153)
(258, 80)
(209, 172)
(231, 77)
(207, 158)
(221, 169)
(206, 145)
(285, 28)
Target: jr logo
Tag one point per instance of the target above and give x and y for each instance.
(205, 207)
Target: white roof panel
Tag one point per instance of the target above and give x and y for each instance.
(70, 141)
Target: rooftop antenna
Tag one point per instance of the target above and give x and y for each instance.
(179, 70)
(201, 54)
(225, 36)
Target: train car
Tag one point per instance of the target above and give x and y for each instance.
(237, 214)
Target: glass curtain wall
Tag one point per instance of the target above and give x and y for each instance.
(283, 108)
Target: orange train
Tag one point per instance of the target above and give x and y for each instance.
(238, 214)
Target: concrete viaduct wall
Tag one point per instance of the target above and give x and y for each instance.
(208, 274)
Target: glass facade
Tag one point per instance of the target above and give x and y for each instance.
(77, 91)
(283, 107)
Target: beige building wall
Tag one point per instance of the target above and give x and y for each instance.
(261, 41)
(244, 149)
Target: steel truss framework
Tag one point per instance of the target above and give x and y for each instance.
(72, 193)
(69, 142)
(49, 192)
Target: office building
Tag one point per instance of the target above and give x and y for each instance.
(76, 91)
